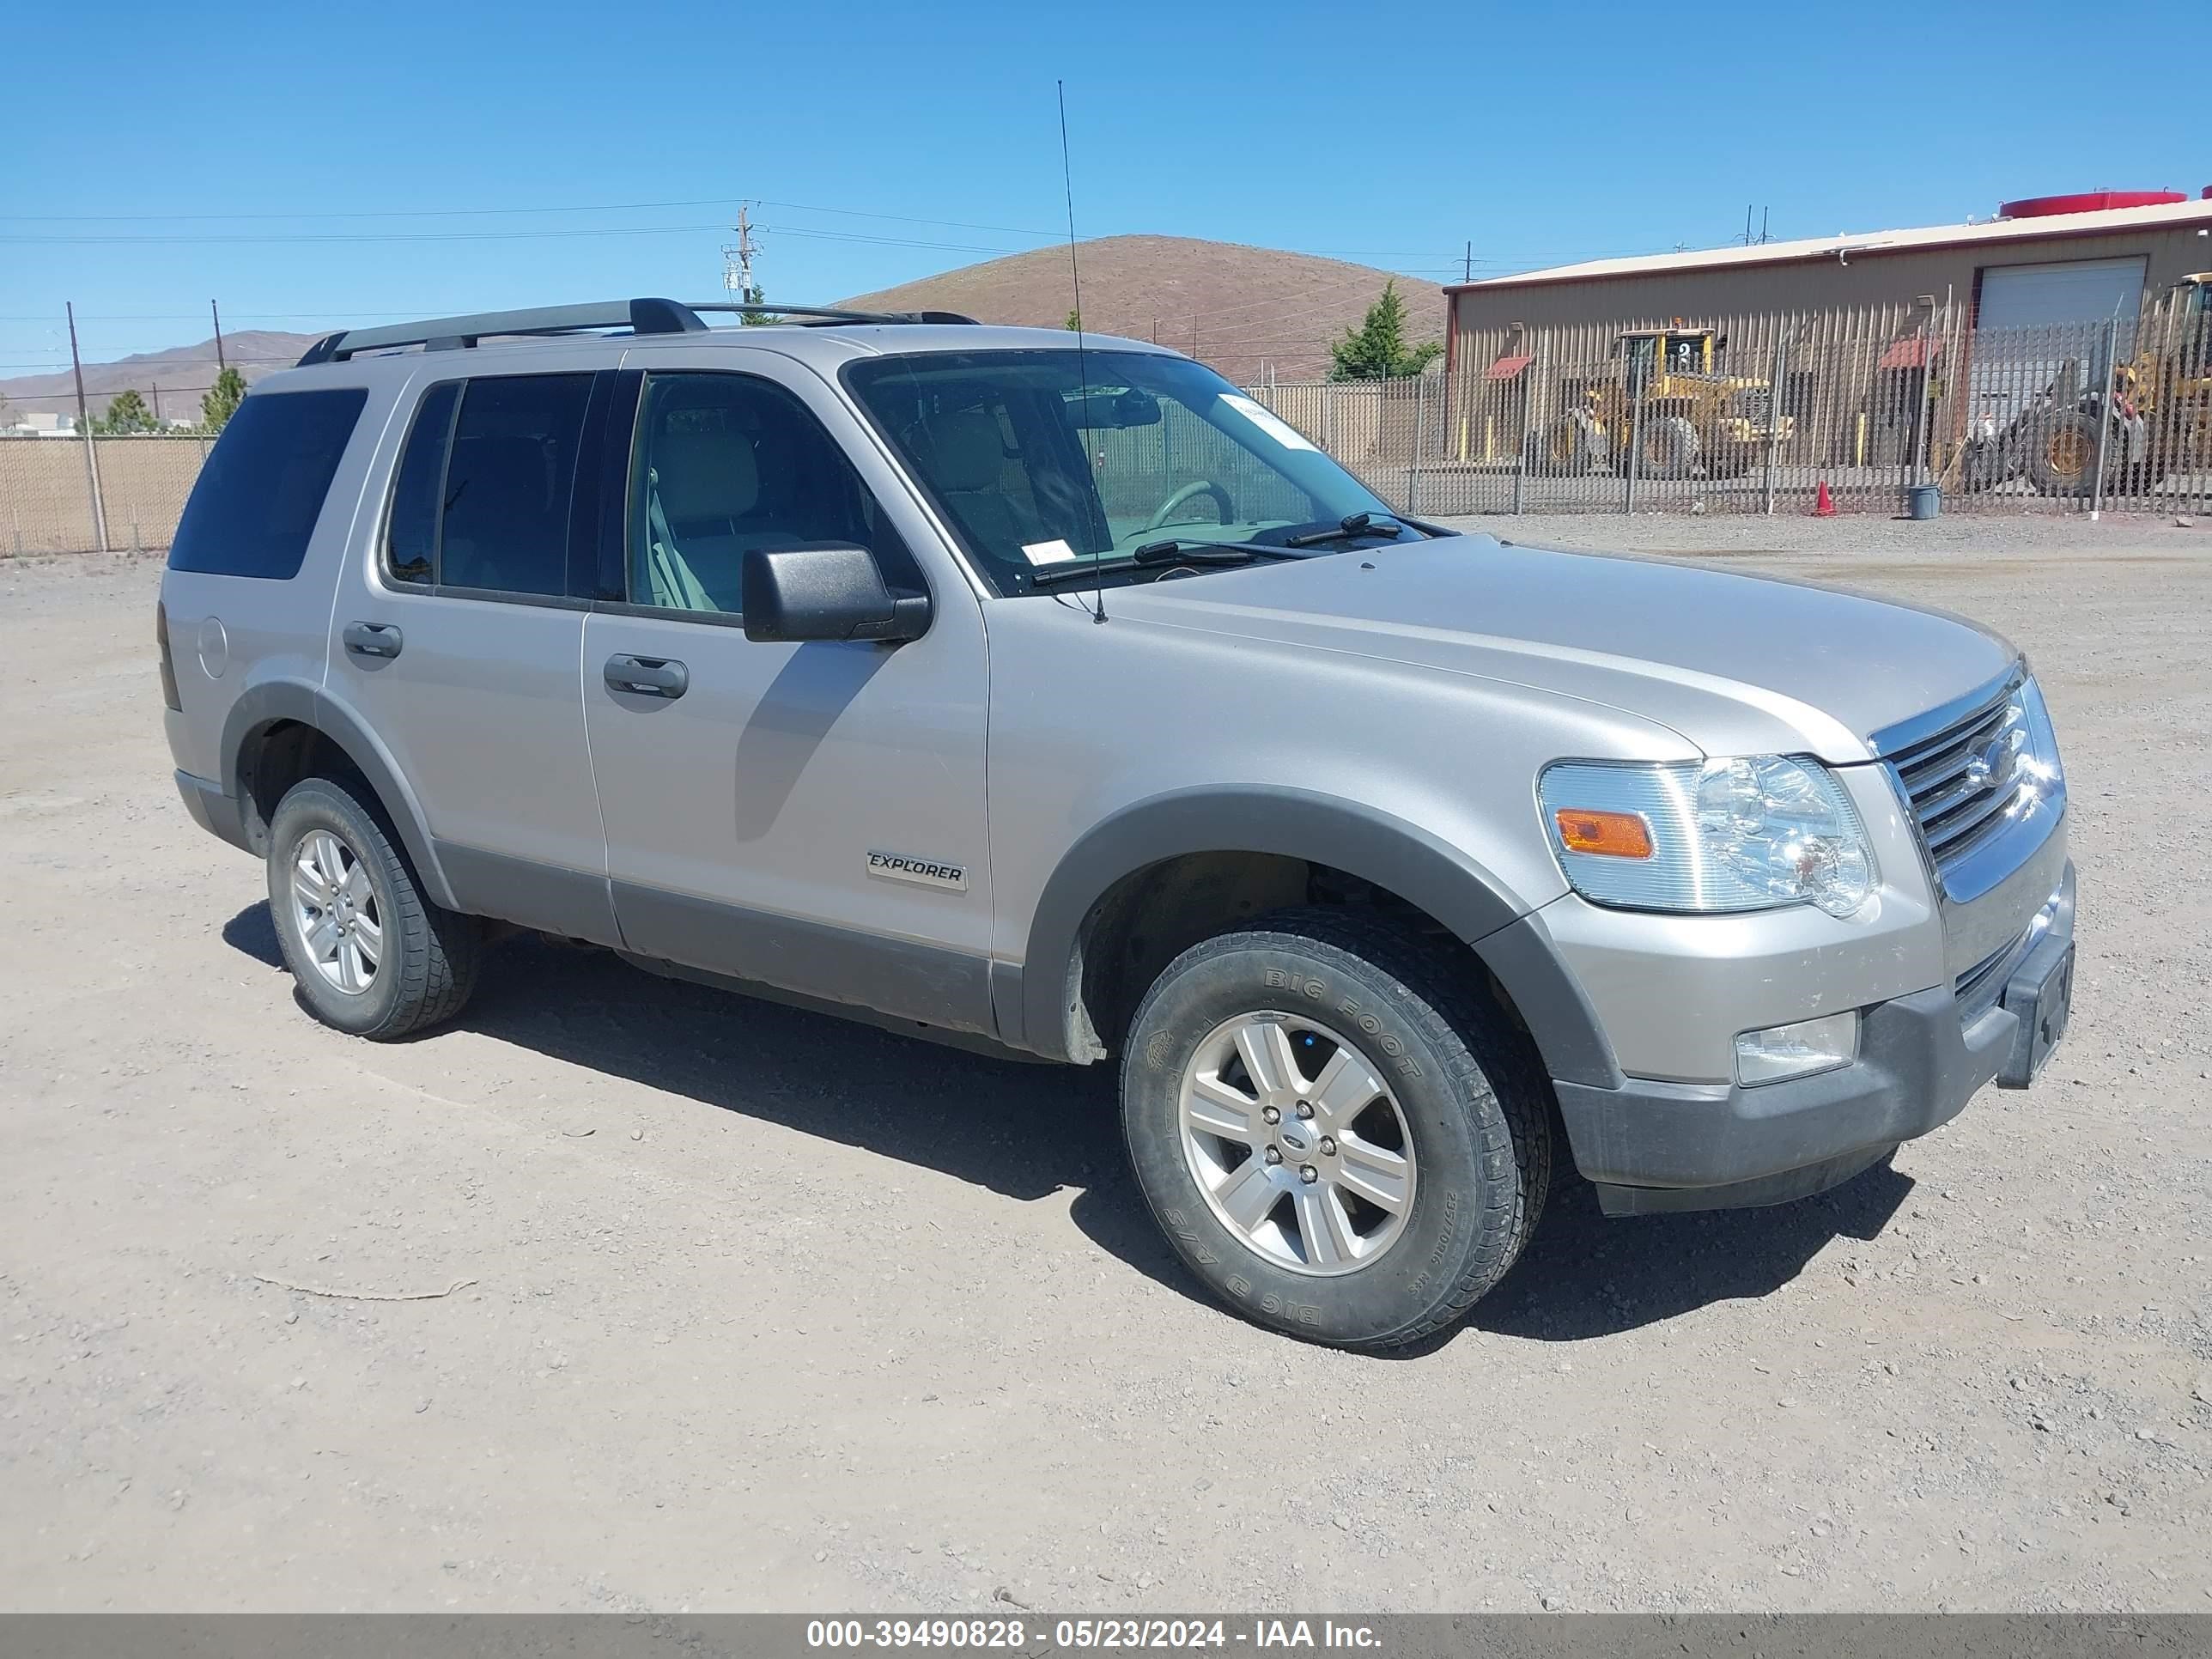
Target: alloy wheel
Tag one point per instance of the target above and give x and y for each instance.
(1299, 1146)
(334, 908)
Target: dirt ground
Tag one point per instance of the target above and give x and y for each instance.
(749, 1309)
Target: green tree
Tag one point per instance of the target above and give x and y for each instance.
(1074, 323)
(1376, 350)
(126, 412)
(755, 297)
(220, 400)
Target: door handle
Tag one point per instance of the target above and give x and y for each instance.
(649, 676)
(373, 639)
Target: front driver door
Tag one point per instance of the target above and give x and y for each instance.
(810, 816)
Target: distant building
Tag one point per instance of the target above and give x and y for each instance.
(42, 423)
(2045, 263)
(1868, 330)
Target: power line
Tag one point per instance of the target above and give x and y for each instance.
(327, 237)
(490, 212)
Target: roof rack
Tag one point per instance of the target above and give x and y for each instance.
(640, 317)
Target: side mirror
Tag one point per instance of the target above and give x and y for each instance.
(824, 594)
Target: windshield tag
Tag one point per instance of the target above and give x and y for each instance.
(1268, 421)
(1054, 551)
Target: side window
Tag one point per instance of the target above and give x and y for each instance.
(728, 462)
(411, 541)
(509, 472)
(261, 491)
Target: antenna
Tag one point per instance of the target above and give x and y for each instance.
(1082, 364)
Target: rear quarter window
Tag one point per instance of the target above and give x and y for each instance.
(262, 490)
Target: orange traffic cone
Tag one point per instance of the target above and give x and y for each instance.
(1823, 506)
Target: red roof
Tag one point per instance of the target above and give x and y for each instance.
(1506, 368)
(1905, 353)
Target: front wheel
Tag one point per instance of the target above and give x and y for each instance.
(1337, 1137)
(2062, 457)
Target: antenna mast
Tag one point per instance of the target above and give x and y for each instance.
(1075, 280)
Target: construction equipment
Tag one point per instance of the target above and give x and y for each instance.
(1692, 414)
(2156, 415)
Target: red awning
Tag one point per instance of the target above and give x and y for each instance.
(1905, 353)
(1506, 368)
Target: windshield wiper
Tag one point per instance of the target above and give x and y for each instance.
(1174, 550)
(1191, 550)
(1346, 529)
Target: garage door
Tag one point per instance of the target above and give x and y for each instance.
(2042, 328)
(2037, 297)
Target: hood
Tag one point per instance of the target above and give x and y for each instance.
(1735, 664)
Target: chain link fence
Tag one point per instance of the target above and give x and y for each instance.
(74, 494)
(1765, 413)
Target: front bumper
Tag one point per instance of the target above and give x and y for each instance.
(1651, 1147)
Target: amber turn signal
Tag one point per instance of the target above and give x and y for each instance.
(1608, 835)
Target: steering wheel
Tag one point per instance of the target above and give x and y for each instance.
(1191, 491)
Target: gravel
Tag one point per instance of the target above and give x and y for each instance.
(820, 1319)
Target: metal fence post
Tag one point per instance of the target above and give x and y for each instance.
(92, 478)
(2103, 406)
(1774, 413)
(1421, 425)
(1635, 446)
(1530, 374)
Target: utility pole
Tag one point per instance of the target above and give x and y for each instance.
(220, 365)
(737, 262)
(84, 425)
(1466, 265)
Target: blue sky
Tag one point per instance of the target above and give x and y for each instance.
(309, 166)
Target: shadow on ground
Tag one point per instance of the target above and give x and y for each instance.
(1026, 1131)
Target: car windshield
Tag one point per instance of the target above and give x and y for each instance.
(1039, 459)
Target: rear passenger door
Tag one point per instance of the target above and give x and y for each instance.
(810, 816)
(458, 642)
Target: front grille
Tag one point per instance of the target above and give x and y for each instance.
(1960, 782)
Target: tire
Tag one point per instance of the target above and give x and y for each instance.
(1670, 447)
(1568, 447)
(2062, 454)
(1464, 1095)
(423, 963)
(1731, 460)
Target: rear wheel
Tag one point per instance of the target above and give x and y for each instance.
(1337, 1139)
(369, 955)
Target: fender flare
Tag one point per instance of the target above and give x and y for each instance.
(1037, 1014)
(262, 705)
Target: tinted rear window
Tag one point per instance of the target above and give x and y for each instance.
(508, 482)
(258, 495)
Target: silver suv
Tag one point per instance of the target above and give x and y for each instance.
(1043, 692)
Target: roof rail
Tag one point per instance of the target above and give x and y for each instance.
(639, 317)
(441, 333)
(817, 315)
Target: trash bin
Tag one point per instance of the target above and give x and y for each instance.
(1922, 501)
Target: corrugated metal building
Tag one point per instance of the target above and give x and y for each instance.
(2013, 272)
(1880, 349)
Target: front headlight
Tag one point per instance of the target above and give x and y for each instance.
(1747, 834)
